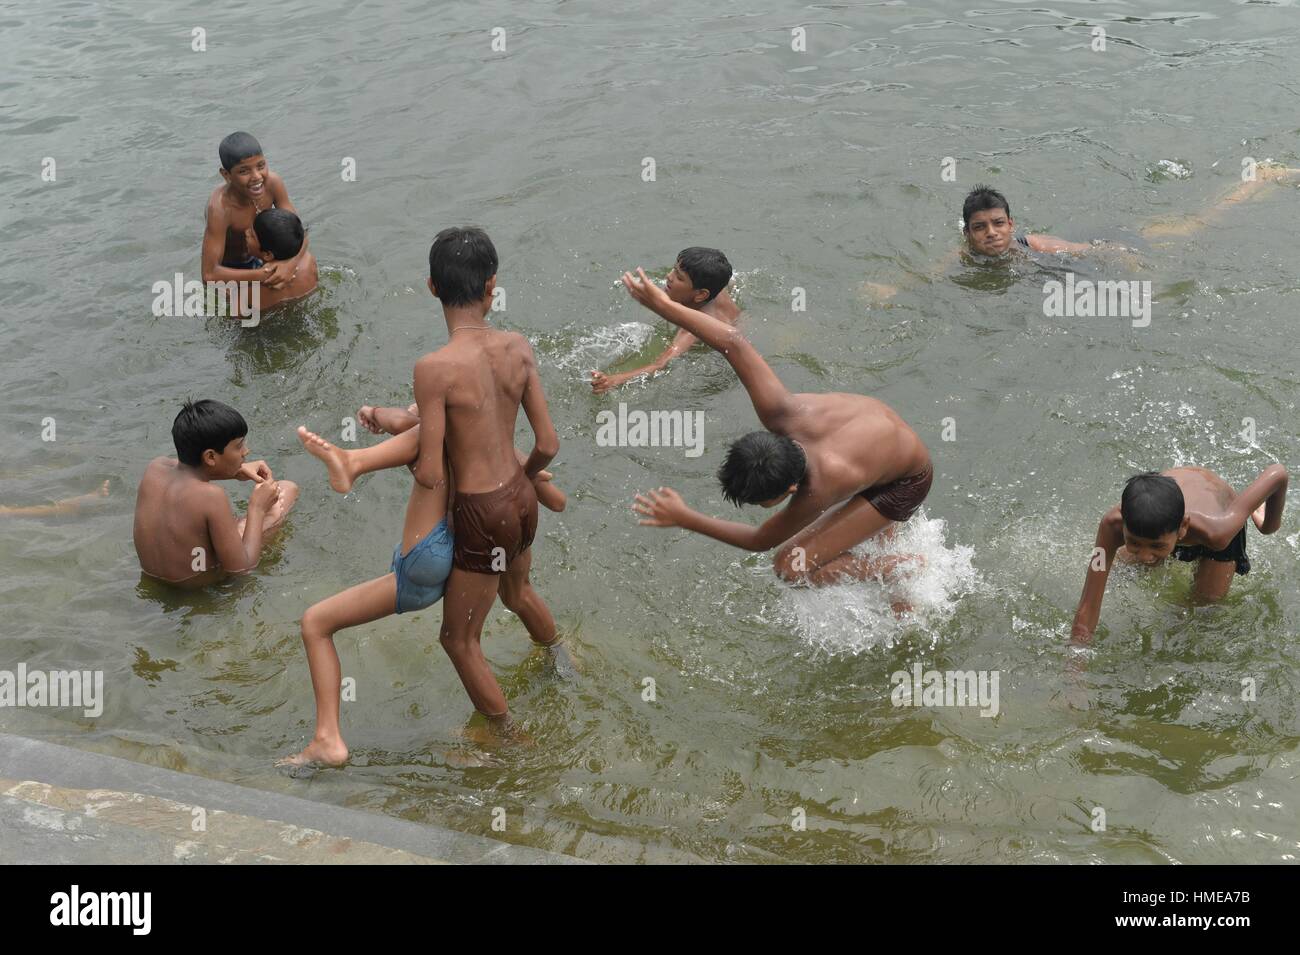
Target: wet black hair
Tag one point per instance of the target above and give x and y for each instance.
(1152, 505)
(280, 232)
(205, 425)
(707, 269)
(461, 260)
(980, 199)
(237, 147)
(760, 467)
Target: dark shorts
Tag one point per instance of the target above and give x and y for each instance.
(252, 262)
(898, 500)
(1235, 552)
(495, 527)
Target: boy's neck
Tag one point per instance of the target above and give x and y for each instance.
(199, 473)
(463, 316)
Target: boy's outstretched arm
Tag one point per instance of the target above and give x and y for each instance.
(681, 344)
(1110, 535)
(771, 399)
(546, 441)
(1267, 491)
(430, 469)
(665, 508)
(1050, 243)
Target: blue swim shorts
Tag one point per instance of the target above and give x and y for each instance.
(422, 574)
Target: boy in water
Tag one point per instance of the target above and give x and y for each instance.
(1189, 513)
(185, 533)
(281, 237)
(416, 580)
(698, 280)
(231, 249)
(849, 465)
(469, 393)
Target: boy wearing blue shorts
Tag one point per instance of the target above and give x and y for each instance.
(416, 579)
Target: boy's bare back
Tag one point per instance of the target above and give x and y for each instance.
(171, 519)
(482, 375)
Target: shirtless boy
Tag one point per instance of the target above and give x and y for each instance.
(231, 250)
(849, 465)
(468, 394)
(699, 280)
(1189, 513)
(185, 531)
(415, 581)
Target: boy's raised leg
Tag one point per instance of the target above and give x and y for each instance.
(819, 554)
(345, 465)
(363, 603)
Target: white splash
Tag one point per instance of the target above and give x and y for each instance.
(848, 619)
(603, 346)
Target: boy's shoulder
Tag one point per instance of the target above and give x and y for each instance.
(217, 204)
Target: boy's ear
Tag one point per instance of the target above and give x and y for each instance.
(225, 173)
(1182, 528)
(490, 286)
(209, 457)
(696, 296)
(432, 288)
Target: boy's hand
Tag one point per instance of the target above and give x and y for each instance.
(645, 290)
(264, 496)
(1258, 516)
(257, 471)
(602, 383)
(663, 508)
(366, 415)
(278, 274)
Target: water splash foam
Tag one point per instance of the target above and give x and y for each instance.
(849, 619)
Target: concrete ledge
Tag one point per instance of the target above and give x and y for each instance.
(60, 805)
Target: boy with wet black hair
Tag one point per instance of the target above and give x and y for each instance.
(849, 465)
(989, 229)
(1188, 513)
(281, 236)
(231, 251)
(185, 532)
(698, 280)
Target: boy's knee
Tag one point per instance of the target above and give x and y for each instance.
(789, 566)
(313, 623)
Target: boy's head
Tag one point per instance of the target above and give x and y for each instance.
(1152, 508)
(699, 275)
(242, 164)
(986, 221)
(210, 436)
(761, 468)
(462, 266)
(279, 233)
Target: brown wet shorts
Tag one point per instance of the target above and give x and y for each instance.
(898, 500)
(491, 529)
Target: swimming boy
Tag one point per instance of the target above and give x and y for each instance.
(849, 465)
(988, 229)
(1189, 513)
(699, 280)
(185, 532)
(230, 245)
(416, 580)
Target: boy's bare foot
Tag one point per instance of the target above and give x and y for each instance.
(324, 752)
(336, 459)
(559, 659)
(103, 489)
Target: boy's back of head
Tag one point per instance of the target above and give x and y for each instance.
(279, 232)
(707, 268)
(203, 425)
(237, 147)
(980, 199)
(761, 467)
(1152, 505)
(461, 260)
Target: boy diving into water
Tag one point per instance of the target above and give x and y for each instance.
(849, 465)
(185, 533)
(1189, 513)
(698, 280)
(232, 250)
(416, 580)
